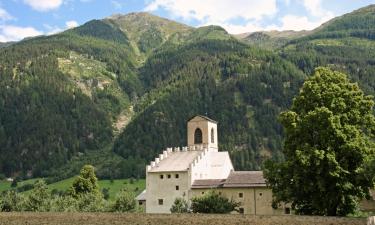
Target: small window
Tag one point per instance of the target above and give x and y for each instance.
(176, 176)
(161, 201)
(240, 195)
(260, 194)
(202, 192)
(140, 203)
(177, 187)
(169, 176)
(161, 176)
(287, 210)
(212, 136)
(241, 210)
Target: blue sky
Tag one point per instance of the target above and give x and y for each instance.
(24, 18)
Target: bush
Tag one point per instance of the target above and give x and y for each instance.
(212, 202)
(11, 201)
(124, 202)
(92, 202)
(39, 199)
(180, 205)
(64, 204)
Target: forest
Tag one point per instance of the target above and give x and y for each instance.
(61, 96)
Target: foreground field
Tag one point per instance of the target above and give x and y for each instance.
(175, 219)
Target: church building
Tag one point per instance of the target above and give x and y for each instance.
(185, 172)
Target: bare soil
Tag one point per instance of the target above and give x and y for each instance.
(175, 219)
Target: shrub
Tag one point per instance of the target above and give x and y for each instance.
(212, 202)
(39, 199)
(180, 205)
(124, 202)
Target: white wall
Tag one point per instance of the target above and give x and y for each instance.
(165, 189)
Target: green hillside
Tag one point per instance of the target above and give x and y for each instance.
(345, 43)
(115, 92)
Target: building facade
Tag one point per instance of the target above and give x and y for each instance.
(199, 167)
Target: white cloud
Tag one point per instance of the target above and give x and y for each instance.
(215, 11)
(292, 22)
(15, 33)
(4, 15)
(116, 4)
(44, 5)
(71, 24)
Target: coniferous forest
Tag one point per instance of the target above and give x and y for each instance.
(114, 93)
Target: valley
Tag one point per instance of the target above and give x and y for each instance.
(115, 92)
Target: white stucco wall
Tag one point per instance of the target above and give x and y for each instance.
(211, 165)
(165, 189)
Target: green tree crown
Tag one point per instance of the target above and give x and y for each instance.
(328, 143)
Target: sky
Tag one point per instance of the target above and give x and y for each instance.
(26, 18)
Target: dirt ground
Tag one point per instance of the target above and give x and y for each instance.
(156, 219)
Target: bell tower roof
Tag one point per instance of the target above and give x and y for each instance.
(200, 117)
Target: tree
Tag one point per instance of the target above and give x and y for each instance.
(328, 142)
(180, 205)
(124, 202)
(85, 183)
(212, 202)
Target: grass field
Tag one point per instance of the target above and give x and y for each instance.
(114, 187)
(174, 219)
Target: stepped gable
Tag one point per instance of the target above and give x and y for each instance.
(177, 159)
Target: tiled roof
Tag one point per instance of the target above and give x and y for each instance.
(245, 179)
(235, 179)
(208, 183)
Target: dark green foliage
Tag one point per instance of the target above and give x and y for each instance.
(180, 205)
(212, 202)
(101, 29)
(105, 193)
(329, 133)
(243, 88)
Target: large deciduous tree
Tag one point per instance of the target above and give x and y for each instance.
(328, 143)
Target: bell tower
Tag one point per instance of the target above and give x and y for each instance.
(202, 130)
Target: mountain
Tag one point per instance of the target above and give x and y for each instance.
(271, 39)
(115, 92)
(345, 43)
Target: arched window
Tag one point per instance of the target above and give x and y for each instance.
(212, 136)
(198, 136)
